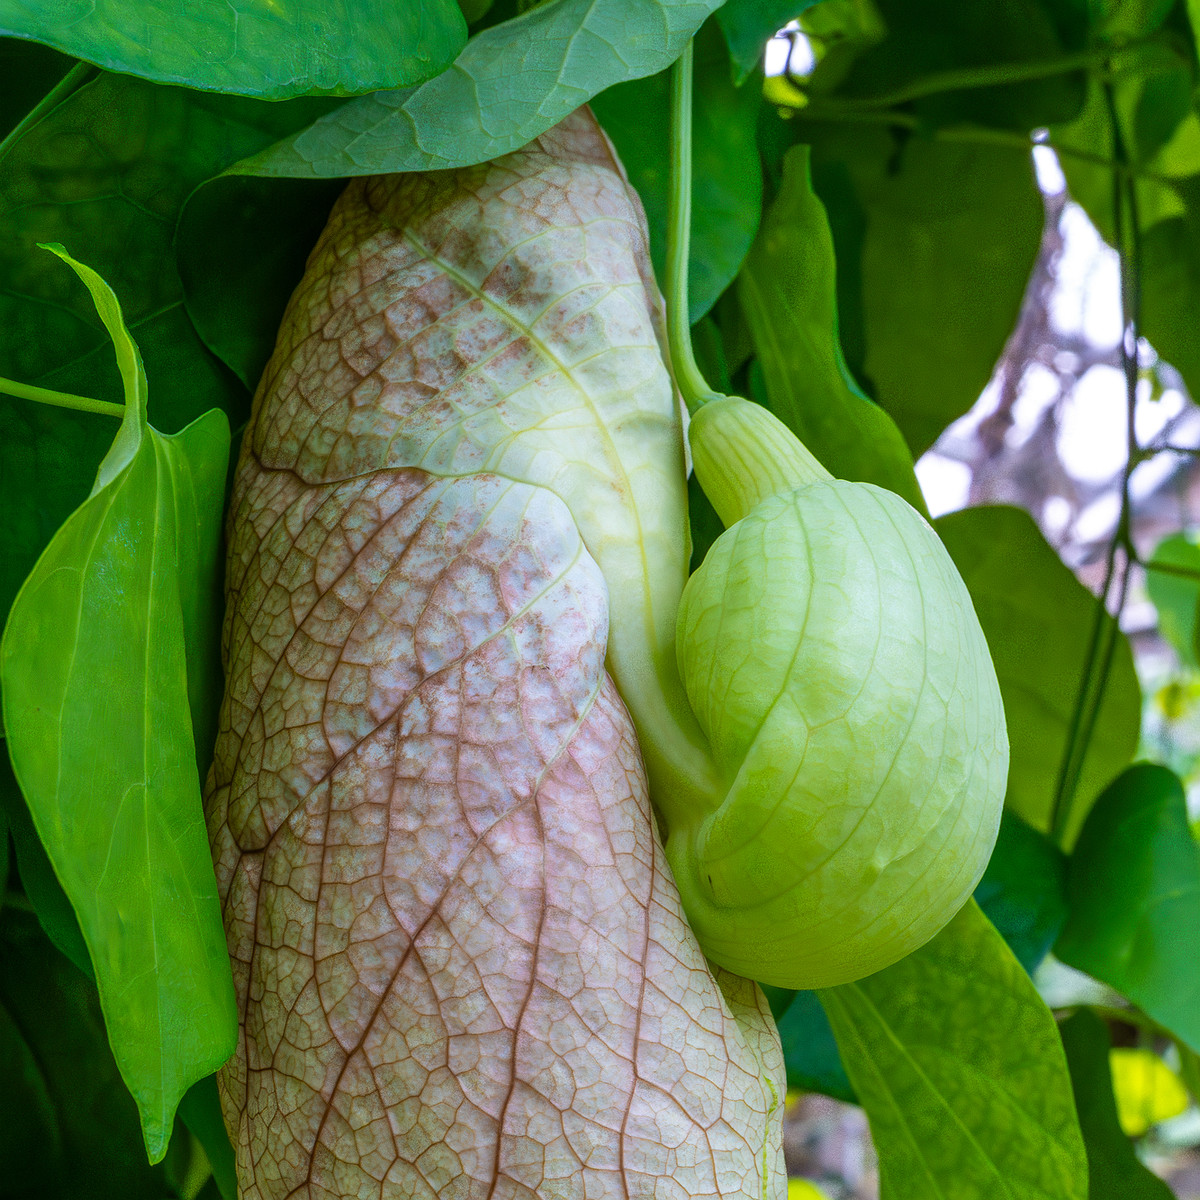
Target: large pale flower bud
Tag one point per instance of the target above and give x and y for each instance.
(833, 657)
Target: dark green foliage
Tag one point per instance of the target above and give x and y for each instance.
(242, 244)
(1133, 891)
(1023, 890)
(1024, 39)
(1114, 1170)
(810, 1051)
(68, 1128)
(105, 172)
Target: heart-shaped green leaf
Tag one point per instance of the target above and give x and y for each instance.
(1134, 894)
(107, 640)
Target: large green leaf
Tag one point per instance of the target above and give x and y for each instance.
(105, 171)
(958, 1064)
(1023, 892)
(788, 292)
(116, 608)
(68, 1129)
(726, 177)
(1177, 596)
(332, 47)
(1134, 896)
(1115, 1171)
(1038, 620)
(511, 83)
(950, 234)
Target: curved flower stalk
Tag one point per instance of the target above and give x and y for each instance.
(460, 959)
(833, 657)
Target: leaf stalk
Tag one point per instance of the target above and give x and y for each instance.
(27, 391)
(692, 384)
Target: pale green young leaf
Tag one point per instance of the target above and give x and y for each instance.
(1038, 618)
(100, 651)
(959, 1066)
(511, 83)
(788, 292)
(273, 51)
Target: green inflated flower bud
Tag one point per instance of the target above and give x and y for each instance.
(833, 657)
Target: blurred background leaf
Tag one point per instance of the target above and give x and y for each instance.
(1177, 596)
(748, 24)
(1114, 1169)
(1023, 892)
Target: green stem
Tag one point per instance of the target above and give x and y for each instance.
(961, 79)
(26, 391)
(971, 136)
(1098, 662)
(692, 383)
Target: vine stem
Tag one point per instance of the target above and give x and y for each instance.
(692, 384)
(966, 78)
(971, 136)
(1101, 649)
(27, 391)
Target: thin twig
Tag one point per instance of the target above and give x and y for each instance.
(961, 79)
(1098, 662)
(692, 384)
